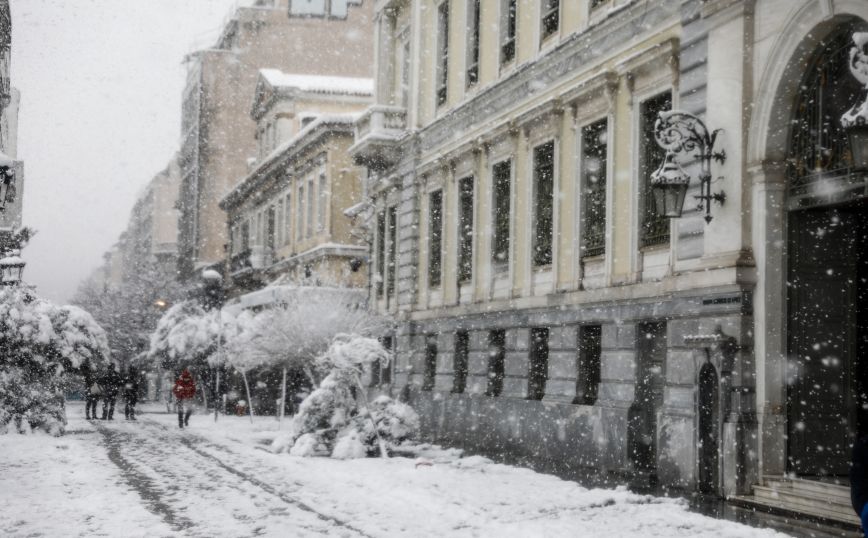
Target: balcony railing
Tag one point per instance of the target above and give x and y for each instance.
(377, 133)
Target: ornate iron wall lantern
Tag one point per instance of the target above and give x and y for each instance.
(11, 268)
(855, 120)
(683, 134)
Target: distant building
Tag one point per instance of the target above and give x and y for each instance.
(218, 134)
(547, 309)
(11, 214)
(286, 217)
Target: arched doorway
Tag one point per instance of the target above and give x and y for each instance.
(708, 404)
(826, 267)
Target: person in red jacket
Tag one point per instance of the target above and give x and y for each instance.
(184, 391)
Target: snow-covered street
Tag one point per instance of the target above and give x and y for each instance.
(149, 478)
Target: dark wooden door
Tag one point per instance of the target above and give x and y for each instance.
(823, 261)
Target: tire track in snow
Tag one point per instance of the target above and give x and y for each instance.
(187, 441)
(153, 500)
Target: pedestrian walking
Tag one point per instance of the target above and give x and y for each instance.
(111, 384)
(859, 481)
(184, 391)
(92, 390)
(131, 393)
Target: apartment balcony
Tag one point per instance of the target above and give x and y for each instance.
(378, 132)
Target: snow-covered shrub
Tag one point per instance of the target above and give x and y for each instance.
(41, 344)
(332, 420)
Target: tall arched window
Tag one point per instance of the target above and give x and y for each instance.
(819, 149)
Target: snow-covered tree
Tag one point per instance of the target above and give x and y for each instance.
(41, 344)
(187, 334)
(336, 419)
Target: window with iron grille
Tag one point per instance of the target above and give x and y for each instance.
(588, 364)
(435, 235)
(496, 360)
(473, 43)
(502, 176)
(381, 251)
(551, 17)
(459, 361)
(539, 363)
(442, 52)
(393, 249)
(430, 366)
(465, 229)
(508, 25)
(655, 228)
(543, 222)
(593, 181)
(819, 148)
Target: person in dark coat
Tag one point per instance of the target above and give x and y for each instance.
(859, 481)
(131, 393)
(111, 384)
(184, 391)
(92, 390)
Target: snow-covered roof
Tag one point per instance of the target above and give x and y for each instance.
(319, 83)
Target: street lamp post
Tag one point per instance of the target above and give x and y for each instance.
(855, 120)
(683, 134)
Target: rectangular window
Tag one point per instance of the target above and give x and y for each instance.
(279, 226)
(430, 372)
(496, 360)
(442, 52)
(543, 216)
(381, 252)
(473, 42)
(310, 208)
(459, 361)
(245, 236)
(393, 249)
(538, 372)
(287, 237)
(299, 212)
(465, 229)
(260, 229)
(593, 182)
(270, 223)
(435, 234)
(386, 370)
(501, 177)
(551, 17)
(323, 197)
(405, 73)
(655, 228)
(588, 364)
(507, 33)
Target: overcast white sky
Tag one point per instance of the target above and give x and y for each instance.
(101, 84)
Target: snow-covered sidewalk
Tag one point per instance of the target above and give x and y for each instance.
(150, 478)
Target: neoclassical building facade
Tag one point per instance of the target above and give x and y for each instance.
(547, 311)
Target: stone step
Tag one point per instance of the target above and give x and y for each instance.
(809, 487)
(812, 503)
(849, 522)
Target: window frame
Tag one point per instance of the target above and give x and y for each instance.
(441, 77)
(589, 353)
(460, 361)
(429, 366)
(547, 13)
(466, 239)
(651, 226)
(498, 213)
(538, 363)
(509, 34)
(599, 248)
(474, 24)
(496, 369)
(435, 240)
(536, 260)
